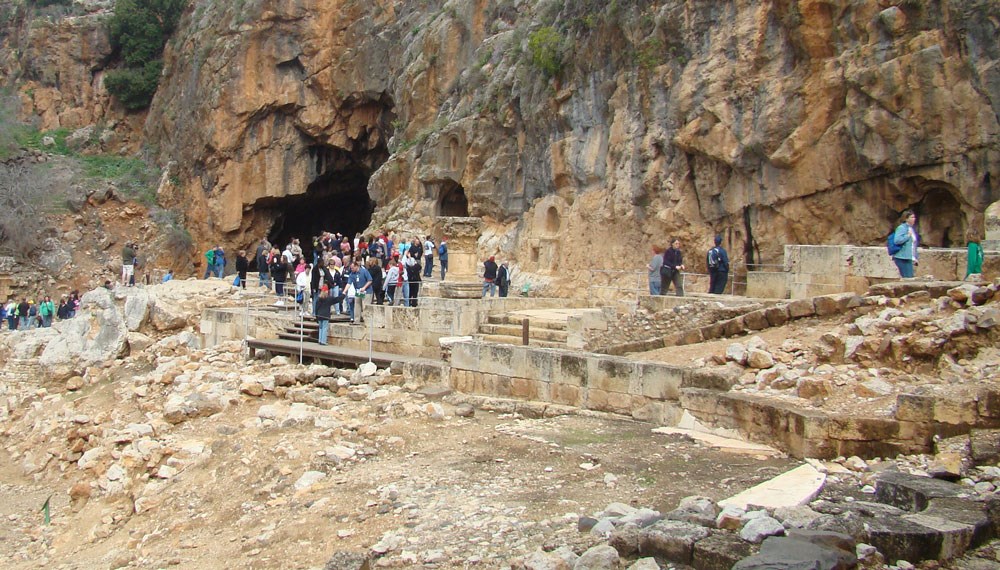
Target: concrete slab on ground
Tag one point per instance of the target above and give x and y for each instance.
(792, 488)
(562, 315)
(727, 444)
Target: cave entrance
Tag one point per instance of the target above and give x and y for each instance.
(336, 202)
(940, 220)
(453, 202)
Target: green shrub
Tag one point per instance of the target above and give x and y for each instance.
(134, 87)
(50, 2)
(545, 45)
(139, 29)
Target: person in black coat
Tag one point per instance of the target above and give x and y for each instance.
(242, 266)
(279, 272)
(319, 278)
(413, 272)
(503, 279)
(673, 265)
(375, 269)
(490, 276)
(717, 261)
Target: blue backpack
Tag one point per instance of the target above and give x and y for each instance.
(890, 244)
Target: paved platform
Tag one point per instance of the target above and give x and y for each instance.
(791, 488)
(328, 353)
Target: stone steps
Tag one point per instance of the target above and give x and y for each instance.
(517, 340)
(516, 320)
(546, 334)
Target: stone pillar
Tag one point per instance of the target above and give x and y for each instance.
(462, 280)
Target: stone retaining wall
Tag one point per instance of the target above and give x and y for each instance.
(823, 269)
(643, 390)
(814, 433)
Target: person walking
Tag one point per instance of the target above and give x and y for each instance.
(653, 267)
(673, 265)
(324, 302)
(906, 239)
(490, 269)
(11, 310)
(717, 261)
(443, 256)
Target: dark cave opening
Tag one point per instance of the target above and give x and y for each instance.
(338, 202)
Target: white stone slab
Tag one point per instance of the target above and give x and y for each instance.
(792, 488)
(729, 444)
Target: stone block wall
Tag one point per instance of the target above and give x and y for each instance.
(812, 270)
(643, 390)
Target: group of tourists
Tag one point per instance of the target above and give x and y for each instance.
(27, 314)
(667, 266)
(337, 273)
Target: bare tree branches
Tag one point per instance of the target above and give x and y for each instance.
(22, 209)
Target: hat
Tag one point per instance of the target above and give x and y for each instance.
(324, 288)
(718, 240)
(492, 258)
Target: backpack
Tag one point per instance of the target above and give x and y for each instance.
(442, 249)
(713, 258)
(890, 244)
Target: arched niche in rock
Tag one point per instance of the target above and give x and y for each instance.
(452, 201)
(941, 220)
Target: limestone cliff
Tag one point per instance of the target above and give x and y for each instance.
(769, 122)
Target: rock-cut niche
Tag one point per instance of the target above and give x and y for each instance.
(452, 201)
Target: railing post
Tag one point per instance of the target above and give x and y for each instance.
(524, 332)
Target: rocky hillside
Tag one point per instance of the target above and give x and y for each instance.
(769, 122)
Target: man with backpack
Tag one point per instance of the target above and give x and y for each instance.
(718, 267)
(210, 263)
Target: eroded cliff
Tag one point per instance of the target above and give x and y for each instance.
(581, 131)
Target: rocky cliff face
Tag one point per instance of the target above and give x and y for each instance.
(769, 122)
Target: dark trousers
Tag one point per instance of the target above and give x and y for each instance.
(675, 277)
(414, 291)
(717, 281)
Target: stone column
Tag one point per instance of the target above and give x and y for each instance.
(462, 280)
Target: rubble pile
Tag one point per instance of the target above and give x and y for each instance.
(889, 346)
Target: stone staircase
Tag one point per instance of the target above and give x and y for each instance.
(507, 329)
(307, 328)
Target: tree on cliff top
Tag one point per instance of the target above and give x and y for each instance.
(139, 30)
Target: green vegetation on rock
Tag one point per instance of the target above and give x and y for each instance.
(139, 30)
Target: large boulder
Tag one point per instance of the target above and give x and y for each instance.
(98, 333)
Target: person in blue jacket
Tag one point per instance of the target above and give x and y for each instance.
(906, 238)
(362, 282)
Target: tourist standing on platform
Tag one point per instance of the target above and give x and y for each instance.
(428, 257)
(673, 265)
(490, 276)
(263, 273)
(906, 239)
(392, 280)
(324, 302)
(378, 278)
(319, 279)
(653, 267)
(302, 289)
(359, 283)
(717, 261)
(443, 256)
(279, 272)
(242, 266)
(974, 261)
(413, 276)
(503, 279)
